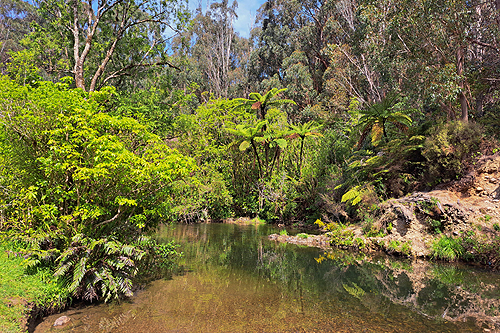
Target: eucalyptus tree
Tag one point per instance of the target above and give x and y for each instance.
(215, 51)
(15, 19)
(292, 51)
(271, 38)
(443, 53)
(98, 41)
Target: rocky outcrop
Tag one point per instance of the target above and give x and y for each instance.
(417, 220)
(320, 241)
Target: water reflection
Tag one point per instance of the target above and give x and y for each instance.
(238, 281)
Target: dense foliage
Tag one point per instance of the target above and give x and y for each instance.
(328, 108)
(78, 179)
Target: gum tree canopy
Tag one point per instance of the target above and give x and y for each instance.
(102, 40)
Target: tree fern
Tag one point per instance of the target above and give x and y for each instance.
(260, 103)
(376, 116)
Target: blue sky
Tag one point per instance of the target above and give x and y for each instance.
(246, 13)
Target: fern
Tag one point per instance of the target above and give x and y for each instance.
(353, 196)
(94, 268)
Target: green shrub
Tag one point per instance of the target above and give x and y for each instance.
(481, 249)
(338, 234)
(370, 229)
(360, 243)
(76, 171)
(447, 248)
(399, 247)
(406, 248)
(394, 245)
(98, 267)
(449, 150)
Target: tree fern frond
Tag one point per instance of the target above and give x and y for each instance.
(281, 102)
(111, 247)
(63, 269)
(255, 96)
(78, 274)
(90, 293)
(126, 261)
(351, 194)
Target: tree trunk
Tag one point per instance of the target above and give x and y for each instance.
(461, 95)
(257, 157)
(79, 79)
(78, 68)
(480, 105)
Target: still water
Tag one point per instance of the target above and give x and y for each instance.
(235, 280)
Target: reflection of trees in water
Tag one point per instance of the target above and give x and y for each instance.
(453, 293)
(381, 285)
(430, 289)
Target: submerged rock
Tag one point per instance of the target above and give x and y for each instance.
(63, 320)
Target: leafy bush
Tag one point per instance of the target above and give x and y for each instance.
(481, 249)
(94, 268)
(399, 247)
(79, 169)
(339, 234)
(405, 248)
(393, 245)
(79, 185)
(449, 150)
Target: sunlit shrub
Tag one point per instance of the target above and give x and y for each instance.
(450, 148)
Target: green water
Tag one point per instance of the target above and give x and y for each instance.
(235, 280)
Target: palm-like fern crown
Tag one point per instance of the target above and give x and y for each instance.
(383, 112)
(258, 102)
(377, 115)
(306, 129)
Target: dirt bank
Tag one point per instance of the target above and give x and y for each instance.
(411, 224)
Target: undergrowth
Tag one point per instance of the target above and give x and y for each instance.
(340, 235)
(447, 248)
(468, 247)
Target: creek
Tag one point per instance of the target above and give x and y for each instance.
(236, 280)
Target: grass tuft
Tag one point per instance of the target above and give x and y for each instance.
(447, 248)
